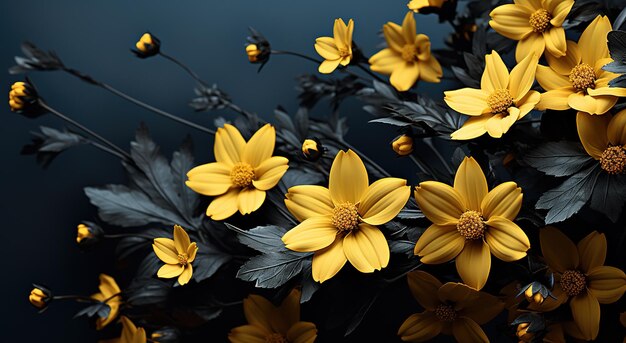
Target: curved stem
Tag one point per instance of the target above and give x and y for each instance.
(124, 235)
(185, 67)
(281, 52)
(110, 151)
(73, 297)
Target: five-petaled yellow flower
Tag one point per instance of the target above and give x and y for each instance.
(451, 308)
(130, 333)
(577, 80)
(580, 275)
(242, 173)
(417, 5)
(268, 323)
(178, 254)
(336, 50)
(502, 99)
(470, 223)
(110, 293)
(536, 24)
(604, 139)
(339, 222)
(407, 57)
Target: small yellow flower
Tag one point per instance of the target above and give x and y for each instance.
(110, 293)
(336, 50)
(581, 276)
(470, 223)
(417, 5)
(577, 80)
(242, 173)
(178, 254)
(604, 139)
(502, 100)
(253, 52)
(407, 57)
(268, 323)
(312, 149)
(339, 223)
(39, 297)
(130, 333)
(451, 308)
(402, 145)
(537, 25)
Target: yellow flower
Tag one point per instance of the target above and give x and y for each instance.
(417, 5)
(268, 323)
(110, 294)
(502, 100)
(536, 24)
(604, 139)
(336, 50)
(130, 333)
(470, 223)
(148, 45)
(451, 308)
(339, 223)
(242, 173)
(178, 254)
(577, 80)
(402, 145)
(40, 297)
(581, 276)
(407, 57)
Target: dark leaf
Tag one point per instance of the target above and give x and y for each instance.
(617, 47)
(50, 143)
(147, 291)
(360, 314)
(295, 177)
(559, 158)
(309, 286)
(396, 121)
(273, 269)
(402, 247)
(264, 239)
(208, 260)
(609, 195)
(100, 309)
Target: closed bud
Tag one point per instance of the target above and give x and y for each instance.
(535, 292)
(166, 335)
(312, 149)
(402, 145)
(39, 297)
(23, 99)
(522, 333)
(528, 325)
(258, 48)
(253, 52)
(87, 234)
(148, 45)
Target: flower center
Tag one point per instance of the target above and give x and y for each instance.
(582, 77)
(445, 313)
(242, 174)
(344, 52)
(471, 225)
(573, 282)
(409, 53)
(500, 100)
(345, 216)
(540, 20)
(276, 338)
(182, 259)
(613, 160)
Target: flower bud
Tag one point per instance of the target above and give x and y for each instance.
(23, 99)
(312, 149)
(523, 334)
(402, 145)
(535, 292)
(40, 297)
(148, 45)
(258, 48)
(166, 335)
(253, 52)
(87, 234)
(528, 325)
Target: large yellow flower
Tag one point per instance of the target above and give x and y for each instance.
(242, 173)
(178, 254)
(110, 293)
(268, 323)
(451, 308)
(604, 139)
(536, 24)
(407, 57)
(581, 276)
(338, 49)
(470, 223)
(338, 222)
(417, 5)
(501, 100)
(577, 80)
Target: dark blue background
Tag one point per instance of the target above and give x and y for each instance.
(40, 208)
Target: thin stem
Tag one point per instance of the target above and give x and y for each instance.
(82, 127)
(124, 235)
(422, 166)
(281, 52)
(185, 67)
(110, 151)
(378, 168)
(73, 297)
(439, 156)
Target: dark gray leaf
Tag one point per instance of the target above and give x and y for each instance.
(609, 195)
(100, 309)
(617, 48)
(397, 121)
(402, 247)
(294, 177)
(385, 90)
(264, 239)
(309, 286)
(559, 158)
(182, 162)
(273, 269)
(208, 260)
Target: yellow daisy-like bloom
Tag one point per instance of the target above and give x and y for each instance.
(417, 5)
(338, 49)
(502, 99)
(242, 173)
(604, 139)
(581, 276)
(470, 223)
(339, 223)
(110, 294)
(270, 324)
(577, 80)
(451, 308)
(407, 57)
(178, 254)
(536, 24)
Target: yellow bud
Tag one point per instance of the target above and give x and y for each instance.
(38, 298)
(402, 145)
(529, 293)
(538, 298)
(16, 104)
(83, 232)
(19, 84)
(253, 52)
(144, 43)
(523, 334)
(146, 38)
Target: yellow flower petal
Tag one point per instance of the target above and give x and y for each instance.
(404, 76)
(608, 91)
(422, 42)
(550, 79)
(555, 41)
(408, 27)
(565, 64)
(393, 36)
(185, 276)
(168, 271)
(523, 77)
(313, 234)
(592, 42)
(469, 101)
(505, 200)
(592, 250)
(325, 47)
(607, 284)
(348, 179)
(616, 131)
(385, 61)
(260, 147)
(482, 308)
(328, 261)
(248, 334)
(250, 200)
(551, 304)
(347, 39)
(528, 103)
(308, 201)
(229, 145)
(592, 131)
(559, 10)
(496, 75)
(471, 183)
(302, 332)
(181, 239)
(192, 252)
(472, 128)
(340, 30)
(506, 240)
(558, 250)
(474, 263)
(439, 244)
(328, 66)
(259, 312)
(511, 21)
(466, 330)
(366, 248)
(500, 124)
(224, 205)
(532, 44)
(586, 313)
(557, 99)
(165, 250)
(383, 200)
(582, 102)
(420, 327)
(289, 310)
(430, 70)
(440, 203)
(269, 173)
(424, 288)
(210, 179)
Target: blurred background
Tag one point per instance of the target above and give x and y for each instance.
(41, 208)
